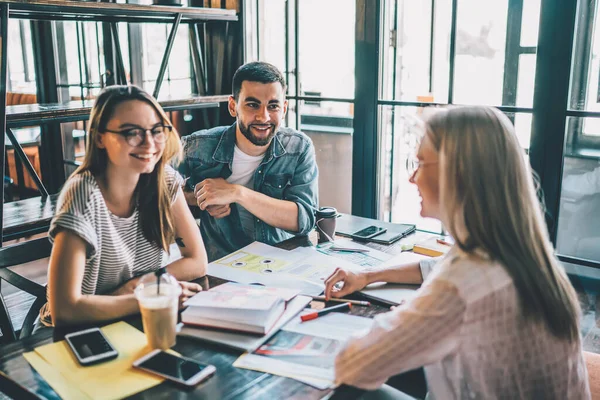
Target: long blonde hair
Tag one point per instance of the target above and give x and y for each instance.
(489, 203)
(151, 193)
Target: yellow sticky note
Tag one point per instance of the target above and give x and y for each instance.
(110, 380)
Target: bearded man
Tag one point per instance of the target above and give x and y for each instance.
(254, 180)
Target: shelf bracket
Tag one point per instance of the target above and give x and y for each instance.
(25, 160)
(165, 60)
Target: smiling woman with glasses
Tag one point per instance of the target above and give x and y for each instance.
(119, 213)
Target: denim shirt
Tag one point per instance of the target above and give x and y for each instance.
(287, 172)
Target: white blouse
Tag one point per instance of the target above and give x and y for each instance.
(466, 327)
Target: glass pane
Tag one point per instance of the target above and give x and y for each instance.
(480, 47)
(586, 59)
(330, 126)
(84, 58)
(400, 134)
(578, 230)
(416, 54)
(526, 80)
(271, 30)
(401, 131)
(177, 79)
(407, 56)
(407, 53)
(531, 23)
(328, 45)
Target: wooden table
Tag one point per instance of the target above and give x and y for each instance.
(228, 383)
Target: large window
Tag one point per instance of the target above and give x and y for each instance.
(442, 52)
(317, 58)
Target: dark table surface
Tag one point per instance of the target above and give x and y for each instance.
(228, 383)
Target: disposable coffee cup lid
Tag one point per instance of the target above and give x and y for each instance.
(162, 283)
(326, 212)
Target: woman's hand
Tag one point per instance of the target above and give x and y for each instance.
(188, 289)
(351, 283)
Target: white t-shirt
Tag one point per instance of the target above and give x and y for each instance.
(242, 173)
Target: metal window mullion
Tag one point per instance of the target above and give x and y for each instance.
(431, 45)
(393, 116)
(79, 60)
(197, 60)
(287, 45)
(86, 67)
(365, 140)
(3, 80)
(297, 57)
(258, 29)
(452, 53)
(551, 95)
(512, 52)
(26, 70)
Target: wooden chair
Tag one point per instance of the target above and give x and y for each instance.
(10, 256)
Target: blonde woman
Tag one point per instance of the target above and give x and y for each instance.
(119, 212)
(497, 317)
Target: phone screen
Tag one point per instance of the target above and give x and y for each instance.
(171, 365)
(368, 231)
(90, 344)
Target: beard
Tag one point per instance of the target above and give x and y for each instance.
(257, 141)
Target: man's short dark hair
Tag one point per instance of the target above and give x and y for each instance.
(256, 71)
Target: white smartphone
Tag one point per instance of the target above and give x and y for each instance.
(182, 370)
(90, 346)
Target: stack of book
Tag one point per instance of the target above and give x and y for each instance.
(239, 308)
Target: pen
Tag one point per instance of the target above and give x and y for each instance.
(348, 249)
(317, 314)
(353, 302)
(442, 241)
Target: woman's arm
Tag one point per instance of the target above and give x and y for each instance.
(422, 332)
(192, 264)
(65, 276)
(413, 273)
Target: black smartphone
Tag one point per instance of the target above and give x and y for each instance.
(90, 346)
(183, 370)
(368, 232)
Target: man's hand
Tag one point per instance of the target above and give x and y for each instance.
(218, 212)
(215, 192)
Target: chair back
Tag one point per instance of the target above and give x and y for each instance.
(11, 256)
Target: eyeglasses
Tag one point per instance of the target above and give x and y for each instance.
(136, 136)
(413, 164)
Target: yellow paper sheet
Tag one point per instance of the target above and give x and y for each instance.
(114, 379)
(63, 387)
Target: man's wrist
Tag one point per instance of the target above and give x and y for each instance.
(239, 194)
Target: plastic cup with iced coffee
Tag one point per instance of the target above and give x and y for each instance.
(158, 297)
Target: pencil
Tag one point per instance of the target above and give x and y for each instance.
(334, 300)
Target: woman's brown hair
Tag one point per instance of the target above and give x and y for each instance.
(151, 193)
(489, 203)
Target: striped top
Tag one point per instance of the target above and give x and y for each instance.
(116, 247)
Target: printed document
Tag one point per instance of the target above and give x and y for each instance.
(303, 268)
(306, 351)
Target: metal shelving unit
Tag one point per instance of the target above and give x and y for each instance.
(112, 14)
